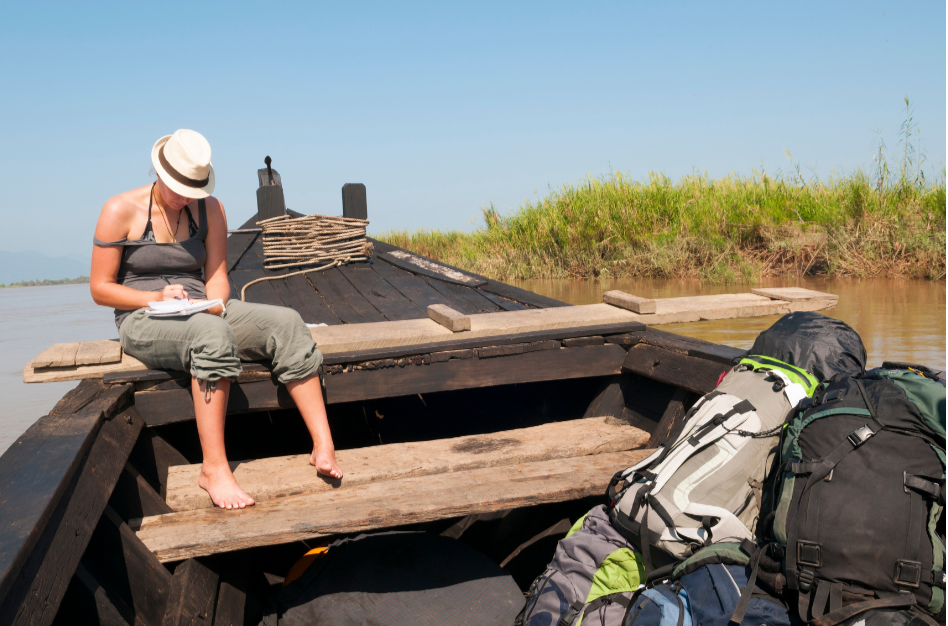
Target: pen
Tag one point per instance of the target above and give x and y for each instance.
(162, 276)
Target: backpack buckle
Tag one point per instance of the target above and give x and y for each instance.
(809, 553)
(859, 436)
(908, 573)
(805, 580)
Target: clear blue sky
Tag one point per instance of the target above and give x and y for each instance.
(440, 108)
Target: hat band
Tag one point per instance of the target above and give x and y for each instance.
(178, 176)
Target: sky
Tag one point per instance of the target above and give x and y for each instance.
(442, 108)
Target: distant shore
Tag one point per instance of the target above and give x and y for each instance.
(731, 229)
(46, 283)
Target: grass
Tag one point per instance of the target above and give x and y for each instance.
(46, 282)
(889, 224)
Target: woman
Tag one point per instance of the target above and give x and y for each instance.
(145, 251)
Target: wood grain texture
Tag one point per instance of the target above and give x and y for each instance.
(54, 375)
(35, 472)
(41, 584)
(418, 264)
(381, 505)
(265, 479)
(388, 300)
(192, 596)
(674, 412)
(99, 352)
(629, 302)
(449, 318)
(59, 355)
(793, 294)
(78, 397)
(691, 373)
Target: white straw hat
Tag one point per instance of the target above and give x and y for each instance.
(183, 162)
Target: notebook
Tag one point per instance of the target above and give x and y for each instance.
(179, 308)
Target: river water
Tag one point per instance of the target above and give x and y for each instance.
(897, 319)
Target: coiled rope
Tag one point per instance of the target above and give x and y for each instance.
(317, 242)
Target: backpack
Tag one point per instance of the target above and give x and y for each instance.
(593, 575)
(703, 485)
(857, 520)
(705, 595)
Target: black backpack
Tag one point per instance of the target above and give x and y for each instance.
(857, 500)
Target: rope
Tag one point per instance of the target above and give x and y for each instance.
(315, 240)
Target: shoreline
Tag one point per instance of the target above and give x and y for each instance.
(726, 230)
(82, 280)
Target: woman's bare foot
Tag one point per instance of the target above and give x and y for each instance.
(325, 462)
(220, 484)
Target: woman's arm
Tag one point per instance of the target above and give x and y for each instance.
(215, 268)
(113, 225)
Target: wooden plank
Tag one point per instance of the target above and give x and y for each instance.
(231, 601)
(192, 596)
(153, 455)
(106, 608)
(583, 342)
(53, 375)
(262, 292)
(672, 416)
(475, 373)
(413, 287)
(59, 355)
(175, 405)
(449, 318)
(627, 301)
(793, 294)
(286, 295)
(112, 400)
(134, 496)
(503, 303)
(520, 295)
(96, 352)
(691, 373)
(353, 201)
(265, 479)
(381, 505)
(417, 264)
(469, 300)
(315, 310)
(41, 583)
(380, 293)
(720, 353)
(346, 302)
(78, 397)
(237, 245)
(35, 472)
(127, 570)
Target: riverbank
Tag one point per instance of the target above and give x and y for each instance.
(719, 230)
(82, 280)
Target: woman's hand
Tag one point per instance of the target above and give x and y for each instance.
(174, 292)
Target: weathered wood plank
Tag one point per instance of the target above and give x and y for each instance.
(793, 294)
(53, 375)
(59, 355)
(78, 397)
(691, 373)
(37, 591)
(153, 455)
(388, 300)
(417, 264)
(583, 342)
(315, 310)
(381, 505)
(503, 303)
(346, 302)
(192, 596)
(101, 606)
(99, 352)
(265, 479)
(469, 300)
(176, 405)
(413, 287)
(134, 496)
(231, 602)
(128, 571)
(636, 304)
(677, 407)
(449, 318)
(35, 472)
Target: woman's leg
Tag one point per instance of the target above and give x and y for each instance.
(205, 346)
(308, 397)
(279, 334)
(216, 477)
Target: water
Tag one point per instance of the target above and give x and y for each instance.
(898, 320)
(31, 320)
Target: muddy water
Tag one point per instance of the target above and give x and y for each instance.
(898, 320)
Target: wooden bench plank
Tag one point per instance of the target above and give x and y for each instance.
(381, 505)
(681, 370)
(793, 294)
(192, 596)
(99, 352)
(265, 479)
(449, 318)
(417, 264)
(623, 300)
(388, 300)
(59, 355)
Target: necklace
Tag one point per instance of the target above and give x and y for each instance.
(165, 218)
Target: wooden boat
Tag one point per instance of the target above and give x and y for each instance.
(493, 434)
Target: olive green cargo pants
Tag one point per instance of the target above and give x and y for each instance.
(212, 347)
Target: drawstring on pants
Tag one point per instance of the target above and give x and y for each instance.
(209, 387)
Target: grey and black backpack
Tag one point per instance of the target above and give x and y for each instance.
(856, 518)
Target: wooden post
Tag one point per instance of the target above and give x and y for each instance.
(353, 201)
(270, 201)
